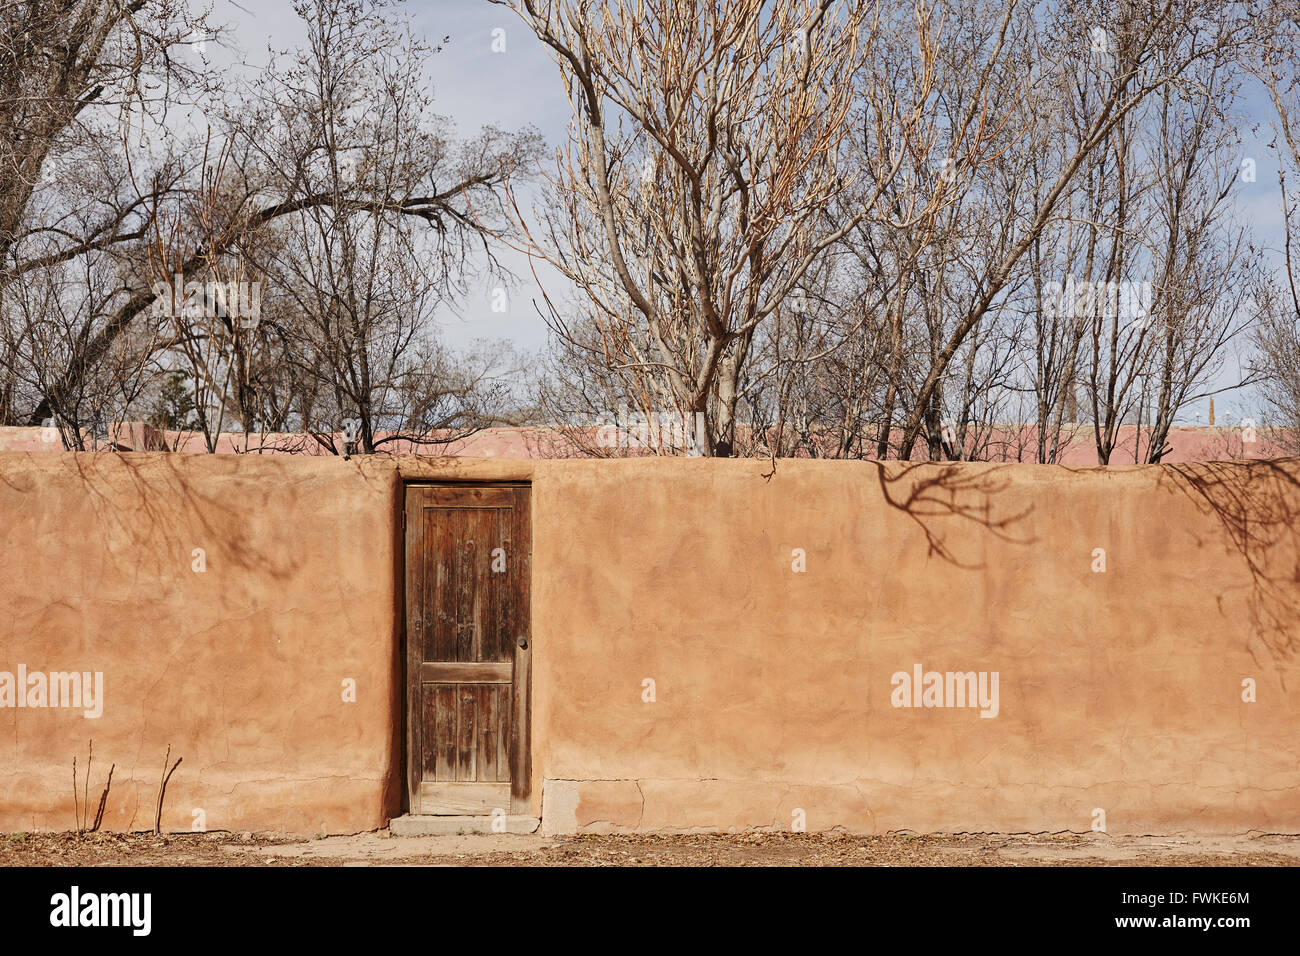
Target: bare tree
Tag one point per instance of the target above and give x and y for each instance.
(1277, 297)
(213, 216)
(1140, 48)
(77, 78)
(707, 141)
(360, 268)
(1205, 263)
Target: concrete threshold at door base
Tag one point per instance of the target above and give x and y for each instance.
(412, 824)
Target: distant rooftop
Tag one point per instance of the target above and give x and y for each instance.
(1010, 443)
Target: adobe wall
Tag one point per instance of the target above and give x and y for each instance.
(1118, 690)
(772, 694)
(238, 667)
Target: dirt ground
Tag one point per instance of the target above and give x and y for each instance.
(747, 849)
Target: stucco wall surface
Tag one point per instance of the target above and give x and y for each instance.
(239, 667)
(716, 645)
(1120, 691)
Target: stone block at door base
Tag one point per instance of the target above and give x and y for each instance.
(591, 806)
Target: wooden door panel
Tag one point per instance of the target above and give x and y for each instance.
(474, 609)
(468, 657)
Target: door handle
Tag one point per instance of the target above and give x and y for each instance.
(522, 642)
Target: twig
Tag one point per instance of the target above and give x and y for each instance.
(162, 788)
(85, 796)
(103, 799)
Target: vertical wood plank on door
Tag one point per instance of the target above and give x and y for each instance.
(440, 644)
(520, 759)
(428, 720)
(443, 742)
(499, 582)
(467, 702)
(415, 564)
(504, 704)
(486, 745)
(521, 762)
(463, 597)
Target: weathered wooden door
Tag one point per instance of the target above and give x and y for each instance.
(468, 556)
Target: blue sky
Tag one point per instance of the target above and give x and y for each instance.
(477, 86)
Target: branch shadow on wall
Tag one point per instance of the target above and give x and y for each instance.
(931, 494)
(164, 504)
(1257, 505)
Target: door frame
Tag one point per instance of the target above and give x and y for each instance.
(521, 682)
